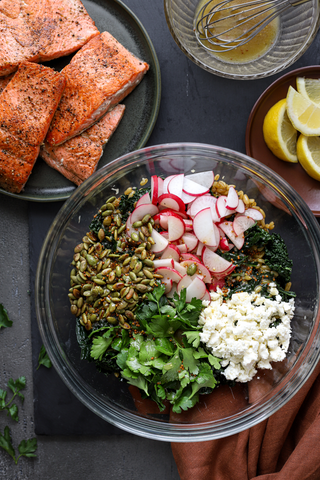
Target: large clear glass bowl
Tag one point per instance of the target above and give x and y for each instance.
(110, 398)
(298, 27)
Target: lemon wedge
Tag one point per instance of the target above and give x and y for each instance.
(279, 134)
(304, 114)
(309, 88)
(308, 152)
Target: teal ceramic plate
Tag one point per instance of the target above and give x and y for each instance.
(142, 105)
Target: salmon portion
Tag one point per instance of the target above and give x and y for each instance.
(41, 30)
(28, 103)
(27, 106)
(4, 82)
(78, 157)
(100, 75)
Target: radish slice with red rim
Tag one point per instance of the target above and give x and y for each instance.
(202, 178)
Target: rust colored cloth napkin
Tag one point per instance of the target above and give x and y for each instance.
(284, 447)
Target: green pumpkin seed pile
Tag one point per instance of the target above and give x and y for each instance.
(107, 285)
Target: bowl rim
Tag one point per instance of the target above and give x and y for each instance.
(235, 76)
(126, 420)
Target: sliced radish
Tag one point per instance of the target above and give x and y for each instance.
(165, 235)
(180, 268)
(196, 289)
(214, 262)
(237, 240)
(201, 269)
(189, 256)
(160, 244)
(185, 281)
(254, 213)
(190, 240)
(176, 228)
(206, 296)
(154, 189)
(129, 227)
(241, 223)
(175, 185)
(168, 284)
(160, 186)
(172, 291)
(182, 248)
(194, 189)
(169, 273)
(144, 209)
(221, 208)
(202, 178)
(186, 198)
(168, 200)
(241, 206)
(224, 244)
(232, 199)
(199, 249)
(217, 282)
(171, 252)
(202, 202)
(169, 211)
(163, 262)
(204, 229)
(165, 184)
(144, 200)
(189, 225)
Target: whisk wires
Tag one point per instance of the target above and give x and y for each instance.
(230, 24)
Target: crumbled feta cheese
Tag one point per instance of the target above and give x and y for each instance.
(239, 331)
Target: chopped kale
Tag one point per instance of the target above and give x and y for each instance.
(276, 257)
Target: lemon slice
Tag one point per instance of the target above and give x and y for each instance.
(304, 114)
(279, 134)
(309, 88)
(308, 151)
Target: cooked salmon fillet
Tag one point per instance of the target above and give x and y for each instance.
(99, 75)
(28, 103)
(27, 106)
(78, 157)
(41, 30)
(4, 82)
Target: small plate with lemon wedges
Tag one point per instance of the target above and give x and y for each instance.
(283, 131)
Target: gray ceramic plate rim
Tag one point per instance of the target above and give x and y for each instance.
(47, 194)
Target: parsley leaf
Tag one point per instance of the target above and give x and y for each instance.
(4, 319)
(16, 387)
(99, 347)
(43, 358)
(26, 448)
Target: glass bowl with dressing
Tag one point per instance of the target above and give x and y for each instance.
(277, 47)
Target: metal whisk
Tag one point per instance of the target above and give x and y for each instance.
(230, 24)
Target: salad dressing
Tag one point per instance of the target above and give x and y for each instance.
(250, 51)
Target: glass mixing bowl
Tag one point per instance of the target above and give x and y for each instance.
(298, 27)
(111, 398)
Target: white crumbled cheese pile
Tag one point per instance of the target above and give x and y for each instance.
(238, 331)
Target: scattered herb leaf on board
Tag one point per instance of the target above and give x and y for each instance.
(4, 319)
(26, 448)
(44, 359)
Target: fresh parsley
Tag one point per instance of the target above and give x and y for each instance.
(43, 358)
(4, 319)
(161, 354)
(26, 448)
(15, 386)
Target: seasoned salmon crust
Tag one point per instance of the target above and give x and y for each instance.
(41, 30)
(100, 75)
(27, 106)
(78, 157)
